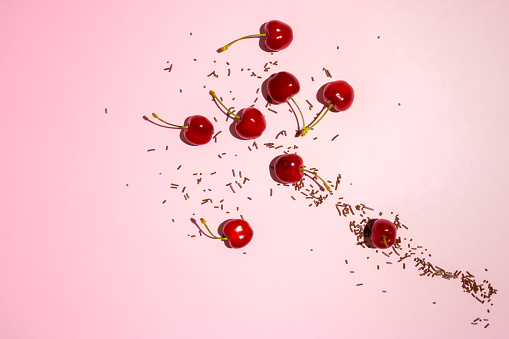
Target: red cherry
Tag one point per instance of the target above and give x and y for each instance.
(288, 169)
(251, 124)
(237, 232)
(198, 131)
(340, 94)
(278, 36)
(382, 233)
(281, 86)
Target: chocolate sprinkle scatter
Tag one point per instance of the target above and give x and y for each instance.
(214, 74)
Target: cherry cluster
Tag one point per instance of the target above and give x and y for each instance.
(250, 123)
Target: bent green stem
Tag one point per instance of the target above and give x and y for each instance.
(305, 130)
(205, 224)
(167, 123)
(316, 175)
(301, 115)
(224, 48)
(226, 108)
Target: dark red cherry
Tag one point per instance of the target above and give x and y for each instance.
(251, 124)
(279, 35)
(281, 86)
(340, 94)
(382, 233)
(248, 126)
(198, 131)
(238, 232)
(287, 168)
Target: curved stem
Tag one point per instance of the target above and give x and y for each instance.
(302, 115)
(205, 224)
(316, 175)
(305, 130)
(226, 108)
(155, 116)
(385, 241)
(224, 48)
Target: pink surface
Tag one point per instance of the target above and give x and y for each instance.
(88, 249)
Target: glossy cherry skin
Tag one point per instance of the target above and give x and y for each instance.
(279, 35)
(281, 86)
(251, 124)
(199, 130)
(382, 227)
(287, 168)
(339, 93)
(238, 232)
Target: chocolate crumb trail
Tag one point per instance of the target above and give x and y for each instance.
(310, 105)
(337, 135)
(164, 201)
(106, 111)
(359, 284)
(150, 150)
(270, 109)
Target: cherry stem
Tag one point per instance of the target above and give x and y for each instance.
(385, 241)
(302, 115)
(205, 224)
(155, 116)
(226, 108)
(224, 48)
(305, 130)
(316, 175)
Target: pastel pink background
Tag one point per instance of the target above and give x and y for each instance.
(82, 255)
